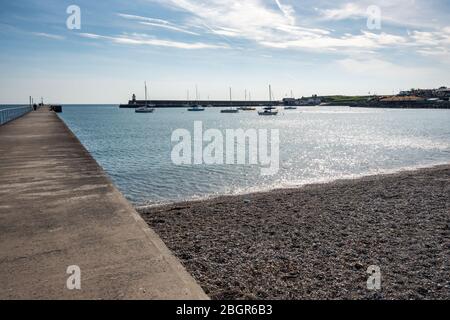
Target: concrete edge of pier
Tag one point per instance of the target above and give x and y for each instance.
(59, 208)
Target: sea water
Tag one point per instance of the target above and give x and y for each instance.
(317, 144)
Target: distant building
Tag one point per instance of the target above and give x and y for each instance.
(443, 93)
(315, 101)
(424, 93)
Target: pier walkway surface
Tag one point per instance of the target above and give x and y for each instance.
(59, 209)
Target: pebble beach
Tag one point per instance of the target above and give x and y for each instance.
(317, 242)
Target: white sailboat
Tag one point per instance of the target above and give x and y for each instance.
(147, 108)
(247, 108)
(231, 109)
(197, 107)
(291, 107)
(269, 110)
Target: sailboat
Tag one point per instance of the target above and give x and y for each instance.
(147, 108)
(231, 109)
(269, 110)
(196, 107)
(291, 107)
(209, 104)
(247, 108)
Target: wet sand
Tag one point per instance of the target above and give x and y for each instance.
(317, 242)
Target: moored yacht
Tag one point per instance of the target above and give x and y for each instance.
(148, 108)
(247, 108)
(231, 109)
(269, 110)
(197, 107)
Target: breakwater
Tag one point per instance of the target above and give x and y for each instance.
(185, 103)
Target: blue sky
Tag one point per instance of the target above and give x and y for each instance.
(309, 47)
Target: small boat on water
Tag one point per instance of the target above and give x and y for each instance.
(147, 108)
(197, 107)
(247, 108)
(269, 110)
(231, 109)
(290, 108)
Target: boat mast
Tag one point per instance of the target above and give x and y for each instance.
(145, 93)
(270, 93)
(196, 93)
(231, 99)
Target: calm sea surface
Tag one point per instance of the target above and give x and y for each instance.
(317, 144)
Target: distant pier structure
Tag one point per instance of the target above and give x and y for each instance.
(134, 103)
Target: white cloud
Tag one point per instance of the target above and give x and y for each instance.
(250, 19)
(136, 39)
(159, 23)
(48, 35)
(169, 27)
(431, 38)
(364, 41)
(346, 11)
(276, 24)
(227, 32)
(435, 44)
(255, 20)
(409, 13)
(288, 11)
(374, 67)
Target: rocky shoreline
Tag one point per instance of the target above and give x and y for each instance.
(317, 242)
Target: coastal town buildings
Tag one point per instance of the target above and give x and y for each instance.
(442, 93)
(312, 101)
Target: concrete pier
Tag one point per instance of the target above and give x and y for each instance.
(59, 209)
